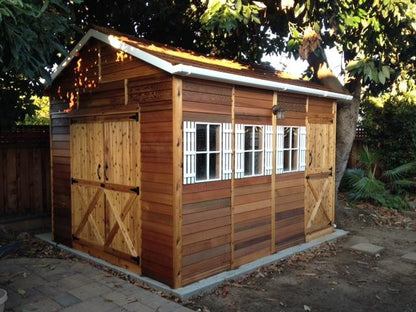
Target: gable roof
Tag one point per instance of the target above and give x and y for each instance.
(179, 62)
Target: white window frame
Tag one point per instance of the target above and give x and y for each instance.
(219, 152)
(242, 150)
(280, 149)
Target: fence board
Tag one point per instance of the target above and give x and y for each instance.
(25, 172)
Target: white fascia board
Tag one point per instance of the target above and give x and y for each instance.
(117, 44)
(203, 73)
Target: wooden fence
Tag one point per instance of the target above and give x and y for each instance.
(25, 172)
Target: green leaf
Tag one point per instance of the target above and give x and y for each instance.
(238, 5)
(21, 292)
(381, 77)
(386, 71)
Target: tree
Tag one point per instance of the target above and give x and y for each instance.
(378, 39)
(33, 34)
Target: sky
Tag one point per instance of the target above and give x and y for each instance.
(297, 67)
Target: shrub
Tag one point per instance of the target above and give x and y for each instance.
(389, 124)
(362, 184)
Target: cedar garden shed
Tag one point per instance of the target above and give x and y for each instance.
(179, 166)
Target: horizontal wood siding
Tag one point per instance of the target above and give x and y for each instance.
(117, 65)
(154, 95)
(206, 230)
(206, 101)
(61, 173)
(25, 172)
(294, 106)
(320, 110)
(253, 106)
(289, 218)
(252, 224)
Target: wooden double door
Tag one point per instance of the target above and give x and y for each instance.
(105, 170)
(320, 177)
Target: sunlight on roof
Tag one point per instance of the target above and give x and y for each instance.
(116, 42)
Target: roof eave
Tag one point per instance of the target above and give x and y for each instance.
(203, 73)
(193, 71)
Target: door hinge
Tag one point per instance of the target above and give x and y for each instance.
(136, 190)
(74, 237)
(136, 259)
(73, 181)
(135, 117)
(330, 172)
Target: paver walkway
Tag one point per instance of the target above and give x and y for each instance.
(65, 285)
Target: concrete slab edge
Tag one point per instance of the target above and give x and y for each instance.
(209, 283)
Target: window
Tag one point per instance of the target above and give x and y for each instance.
(249, 150)
(291, 148)
(202, 152)
(208, 151)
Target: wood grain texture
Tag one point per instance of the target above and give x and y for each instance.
(25, 172)
(252, 218)
(206, 230)
(209, 100)
(289, 212)
(253, 106)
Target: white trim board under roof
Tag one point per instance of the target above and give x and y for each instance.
(193, 71)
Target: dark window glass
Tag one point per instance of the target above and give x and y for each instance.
(248, 139)
(248, 163)
(258, 163)
(214, 142)
(294, 159)
(214, 167)
(287, 138)
(258, 139)
(201, 166)
(201, 137)
(294, 137)
(286, 160)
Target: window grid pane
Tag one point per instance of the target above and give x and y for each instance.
(208, 152)
(291, 149)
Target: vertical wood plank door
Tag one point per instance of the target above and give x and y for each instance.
(122, 177)
(87, 159)
(319, 186)
(105, 169)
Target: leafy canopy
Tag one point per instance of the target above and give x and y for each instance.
(33, 34)
(378, 37)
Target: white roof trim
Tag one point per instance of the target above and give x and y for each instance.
(197, 72)
(192, 71)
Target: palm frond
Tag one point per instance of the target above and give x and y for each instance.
(351, 177)
(399, 172)
(368, 188)
(368, 160)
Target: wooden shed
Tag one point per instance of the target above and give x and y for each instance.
(179, 166)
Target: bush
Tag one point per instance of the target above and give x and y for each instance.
(362, 184)
(389, 124)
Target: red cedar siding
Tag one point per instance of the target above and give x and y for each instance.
(289, 217)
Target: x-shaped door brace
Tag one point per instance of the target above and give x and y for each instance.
(120, 224)
(119, 220)
(88, 217)
(318, 198)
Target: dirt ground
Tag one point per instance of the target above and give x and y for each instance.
(333, 277)
(328, 278)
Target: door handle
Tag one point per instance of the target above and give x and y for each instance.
(105, 172)
(310, 159)
(98, 171)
